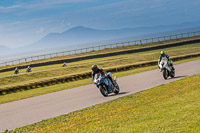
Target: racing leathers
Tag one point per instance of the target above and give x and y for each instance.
(168, 59)
(103, 73)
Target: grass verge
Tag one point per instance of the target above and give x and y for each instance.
(173, 107)
(58, 87)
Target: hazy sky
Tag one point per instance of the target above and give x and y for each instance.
(23, 22)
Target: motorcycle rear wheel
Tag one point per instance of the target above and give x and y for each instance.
(117, 88)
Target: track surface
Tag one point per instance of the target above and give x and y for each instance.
(23, 112)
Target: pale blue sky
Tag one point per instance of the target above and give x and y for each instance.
(23, 22)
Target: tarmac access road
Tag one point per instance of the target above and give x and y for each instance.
(31, 110)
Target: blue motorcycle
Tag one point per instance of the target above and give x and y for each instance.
(105, 85)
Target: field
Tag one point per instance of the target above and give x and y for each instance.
(167, 108)
(43, 73)
(173, 107)
(58, 87)
(48, 72)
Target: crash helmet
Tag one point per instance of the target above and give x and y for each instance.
(94, 68)
(162, 53)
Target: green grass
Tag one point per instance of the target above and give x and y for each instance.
(58, 87)
(173, 107)
(46, 72)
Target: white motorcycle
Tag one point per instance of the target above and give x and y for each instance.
(166, 68)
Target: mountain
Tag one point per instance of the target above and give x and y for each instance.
(78, 36)
(82, 37)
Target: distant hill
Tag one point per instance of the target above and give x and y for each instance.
(83, 35)
(80, 35)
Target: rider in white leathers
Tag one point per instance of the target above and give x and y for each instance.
(162, 55)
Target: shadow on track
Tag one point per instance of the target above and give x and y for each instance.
(120, 93)
(179, 77)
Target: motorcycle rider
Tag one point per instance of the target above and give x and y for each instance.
(64, 64)
(96, 70)
(28, 69)
(16, 70)
(162, 55)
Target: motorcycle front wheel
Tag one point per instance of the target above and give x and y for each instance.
(103, 90)
(165, 74)
(116, 88)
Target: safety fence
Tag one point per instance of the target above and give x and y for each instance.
(99, 47)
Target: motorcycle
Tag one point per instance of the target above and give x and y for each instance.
(105, 85)
(166, 69)
(16, 72)
(29, 70)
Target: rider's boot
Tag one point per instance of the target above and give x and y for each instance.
(173, 67)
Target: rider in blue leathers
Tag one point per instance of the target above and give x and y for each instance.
(96, 70)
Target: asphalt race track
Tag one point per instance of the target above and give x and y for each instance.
(27, 111)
